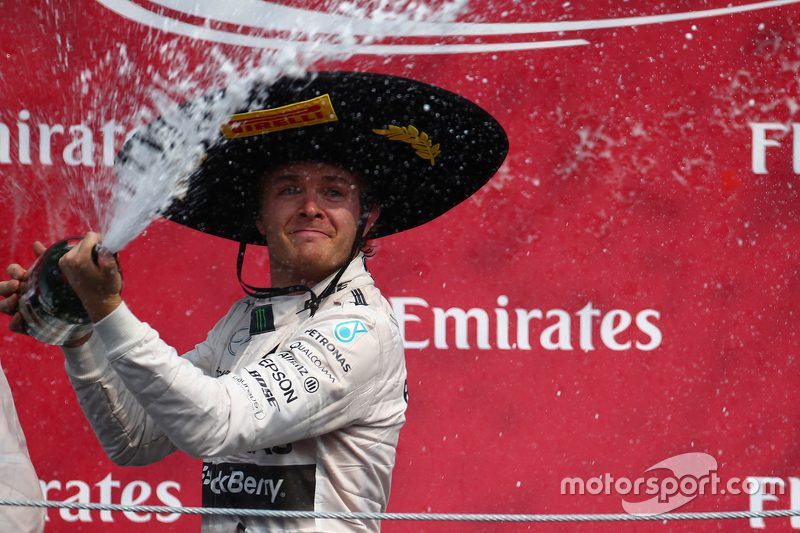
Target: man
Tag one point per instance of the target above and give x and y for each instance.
(296, 398)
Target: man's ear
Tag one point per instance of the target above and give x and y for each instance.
(260, 225)
(372, 217)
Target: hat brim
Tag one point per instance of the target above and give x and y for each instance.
(422, 149)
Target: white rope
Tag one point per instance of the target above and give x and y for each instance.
(405, 516)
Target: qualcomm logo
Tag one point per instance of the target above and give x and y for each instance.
(260, 23)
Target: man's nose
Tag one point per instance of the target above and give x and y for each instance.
(310, 207)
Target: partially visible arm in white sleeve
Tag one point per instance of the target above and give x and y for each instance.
(263, 404)
(128, 436)
(18, 480)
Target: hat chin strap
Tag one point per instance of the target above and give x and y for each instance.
(315, 301)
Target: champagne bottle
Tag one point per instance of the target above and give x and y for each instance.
(52, 311)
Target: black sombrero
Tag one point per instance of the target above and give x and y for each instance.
(422, 149)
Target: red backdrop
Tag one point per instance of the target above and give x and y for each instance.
(648, 209)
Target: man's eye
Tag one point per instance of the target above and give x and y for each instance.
(291, 190)
(335, 193)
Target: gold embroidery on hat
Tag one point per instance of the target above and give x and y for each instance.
(411, 135)
(315, 111)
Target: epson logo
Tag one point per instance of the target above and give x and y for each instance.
(280, 378)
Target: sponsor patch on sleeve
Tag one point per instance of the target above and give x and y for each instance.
(262, 320)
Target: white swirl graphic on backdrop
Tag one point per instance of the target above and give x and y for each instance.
(267, 16)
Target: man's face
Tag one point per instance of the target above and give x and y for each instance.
(309, 217)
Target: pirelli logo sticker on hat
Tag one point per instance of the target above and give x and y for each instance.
(315, 111)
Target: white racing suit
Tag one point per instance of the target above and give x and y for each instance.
(289, 411)
(18, 479)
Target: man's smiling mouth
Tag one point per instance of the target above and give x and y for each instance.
(309, 232)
